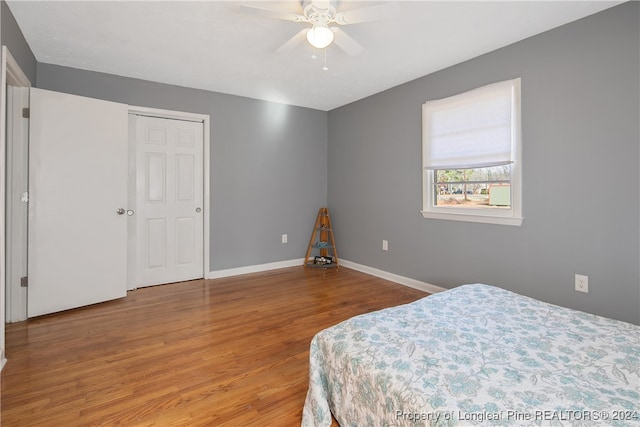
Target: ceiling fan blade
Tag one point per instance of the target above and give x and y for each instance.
(276, 14)
(364, 14)
(294, 41)
(347, 43)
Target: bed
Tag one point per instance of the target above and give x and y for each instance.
(475, 355)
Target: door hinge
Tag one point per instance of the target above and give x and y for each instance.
(24, 282)
(25, 113)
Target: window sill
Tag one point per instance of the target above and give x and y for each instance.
(515, 221)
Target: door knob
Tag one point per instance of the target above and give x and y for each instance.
(130, 212)
(198, 210)
(120, 211)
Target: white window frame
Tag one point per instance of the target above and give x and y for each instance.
(512, 216)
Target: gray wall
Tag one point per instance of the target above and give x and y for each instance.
(12, 37)
(580, 96)
(268, 162)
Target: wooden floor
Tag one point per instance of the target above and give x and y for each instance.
(224, 352)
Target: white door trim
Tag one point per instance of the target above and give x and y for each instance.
(11, 74)
(17, 188)
(15, 75)
(195, 117)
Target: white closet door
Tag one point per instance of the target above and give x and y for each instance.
(77, 183)
(169, 171)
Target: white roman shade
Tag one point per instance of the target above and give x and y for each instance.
(472, 130)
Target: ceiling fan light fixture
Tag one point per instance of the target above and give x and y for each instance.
(320, 36)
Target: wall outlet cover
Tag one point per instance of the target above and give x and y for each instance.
(582, 283)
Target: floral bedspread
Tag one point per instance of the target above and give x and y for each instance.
(475, 355)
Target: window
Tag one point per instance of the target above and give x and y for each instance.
(471, 156)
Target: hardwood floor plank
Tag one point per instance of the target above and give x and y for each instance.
(223, 352)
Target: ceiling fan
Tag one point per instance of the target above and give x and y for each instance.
(321, 14)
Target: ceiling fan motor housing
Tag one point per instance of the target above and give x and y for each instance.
(319, 11)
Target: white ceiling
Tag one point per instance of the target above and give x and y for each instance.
(220, 46)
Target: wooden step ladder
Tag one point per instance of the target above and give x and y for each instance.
(323, 243)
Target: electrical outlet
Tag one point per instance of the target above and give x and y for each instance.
(582, 283)
(284, 238)
(385, 245)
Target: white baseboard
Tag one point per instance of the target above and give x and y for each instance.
(254, 268)
(406, 281)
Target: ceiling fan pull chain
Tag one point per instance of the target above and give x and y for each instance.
(325, 68)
